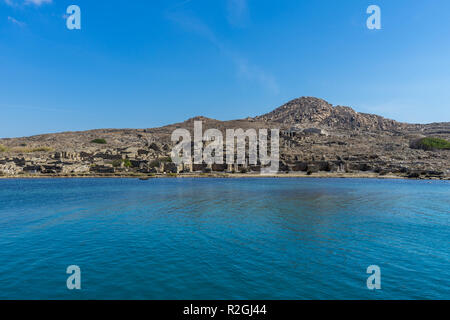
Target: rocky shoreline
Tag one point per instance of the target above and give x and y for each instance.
(316, 140)
(225, 176)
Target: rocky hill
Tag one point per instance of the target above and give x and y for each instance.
(309, 111)
(315, 137)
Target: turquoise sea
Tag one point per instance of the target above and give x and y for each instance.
(260, 238)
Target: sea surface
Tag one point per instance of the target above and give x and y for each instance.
(255, 238)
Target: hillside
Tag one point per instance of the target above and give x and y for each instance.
(315, 136)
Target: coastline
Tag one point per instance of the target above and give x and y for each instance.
(224, 176)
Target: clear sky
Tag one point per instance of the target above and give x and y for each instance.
(140, 64)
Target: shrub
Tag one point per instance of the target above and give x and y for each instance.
(3, 148)
(127, 163)
(99, 141)
(431, 144)
(157, 162)
(118, 163)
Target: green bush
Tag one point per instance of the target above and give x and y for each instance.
(3, 148)
(127, 163)
(118, 163)
(99, 141)
(157, 162)
(431, 144)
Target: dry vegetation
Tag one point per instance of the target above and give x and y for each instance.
(25, 149)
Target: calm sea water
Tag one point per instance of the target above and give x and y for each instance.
(224, 238)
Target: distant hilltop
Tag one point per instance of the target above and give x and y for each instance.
(310, 111)
(315, 137)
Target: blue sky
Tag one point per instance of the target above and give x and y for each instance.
(140, 64)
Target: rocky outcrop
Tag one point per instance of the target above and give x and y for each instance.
(9, 168)
(309, 111)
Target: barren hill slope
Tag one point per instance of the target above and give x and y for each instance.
(314, 136)
(309, 111)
